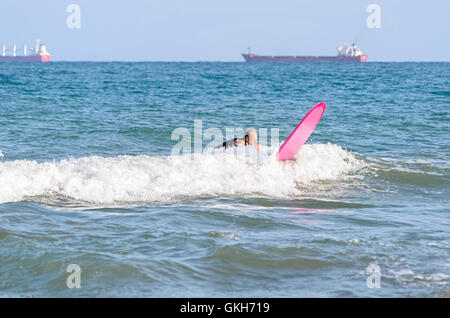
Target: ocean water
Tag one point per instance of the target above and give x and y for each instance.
(87, 177)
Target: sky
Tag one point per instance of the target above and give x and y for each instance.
(210, 30)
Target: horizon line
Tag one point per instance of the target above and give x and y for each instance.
(235, 61)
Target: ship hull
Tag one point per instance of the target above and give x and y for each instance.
(31, 58)
(264, 58)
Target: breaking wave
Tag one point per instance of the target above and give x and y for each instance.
(164, 178)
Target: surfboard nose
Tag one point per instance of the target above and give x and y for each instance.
(301, 133)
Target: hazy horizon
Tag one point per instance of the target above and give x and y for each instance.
(202, 31)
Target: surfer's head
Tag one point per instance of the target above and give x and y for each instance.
(251, 137)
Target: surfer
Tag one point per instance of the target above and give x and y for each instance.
(250, 139)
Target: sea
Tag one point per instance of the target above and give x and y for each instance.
(110, 184)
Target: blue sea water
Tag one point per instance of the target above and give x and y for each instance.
(87, 178)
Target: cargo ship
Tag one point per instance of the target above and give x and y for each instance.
(346, 53)
(38, 53)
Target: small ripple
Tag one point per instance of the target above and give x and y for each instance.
(240, 255)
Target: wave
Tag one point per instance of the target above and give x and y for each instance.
(419, 172)
(165, 178)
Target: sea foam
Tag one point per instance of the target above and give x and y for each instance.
(164, 178)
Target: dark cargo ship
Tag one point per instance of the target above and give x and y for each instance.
(346, 53)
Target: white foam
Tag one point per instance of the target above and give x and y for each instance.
(229, 236)
(437, 277)
(165, 178)
(403, 272)
(1, 154)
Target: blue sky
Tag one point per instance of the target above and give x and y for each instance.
(201, 30)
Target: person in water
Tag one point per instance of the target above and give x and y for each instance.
(250, 139)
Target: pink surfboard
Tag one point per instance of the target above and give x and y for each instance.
(301, 133)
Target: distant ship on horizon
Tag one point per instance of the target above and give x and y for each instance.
(38, 53)
(346, 53)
